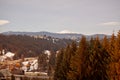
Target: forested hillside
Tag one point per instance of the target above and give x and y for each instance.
(30, 46)
(91, 60)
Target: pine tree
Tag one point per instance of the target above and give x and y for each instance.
(117, 57)
(63, 62)
(117, 48)
(51, 64)
(105, 45)
(99, 62)
(112, 71)
(42, 62)
(77, 61)
(58, 75)
(69, 52)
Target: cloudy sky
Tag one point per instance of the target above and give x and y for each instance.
(81, 16)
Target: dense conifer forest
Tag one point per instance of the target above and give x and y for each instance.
(91, 60)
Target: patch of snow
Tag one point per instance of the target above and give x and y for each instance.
(44, 73)
(36, 66)
(33, 65)
(24, 68)
(47, 52)
(31, 68)
(53, 40)
(2, 58)
(25, 63)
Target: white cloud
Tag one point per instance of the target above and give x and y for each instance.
(66, 31)
(111, 24)
(3, 22)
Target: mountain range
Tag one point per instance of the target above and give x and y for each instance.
(56, 35)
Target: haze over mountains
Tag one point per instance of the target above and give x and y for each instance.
(56, 35)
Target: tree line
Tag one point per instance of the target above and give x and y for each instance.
(90, 60)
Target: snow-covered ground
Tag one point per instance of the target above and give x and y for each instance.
(36, 73)
(30, 65)
(47, 52)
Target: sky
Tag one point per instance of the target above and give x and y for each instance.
(75, 16)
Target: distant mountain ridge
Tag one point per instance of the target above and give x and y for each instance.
(56, 35)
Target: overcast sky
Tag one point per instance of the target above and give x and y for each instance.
(82, 16)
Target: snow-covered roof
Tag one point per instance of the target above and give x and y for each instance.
(9, 54)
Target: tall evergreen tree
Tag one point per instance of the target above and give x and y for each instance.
(112, 71)
(117, 48)
(116, 58)
(69, 52)
(51, 64)
(58, 75)
(99, 62)
(42, 62)
(77, 61)
(63, 62)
